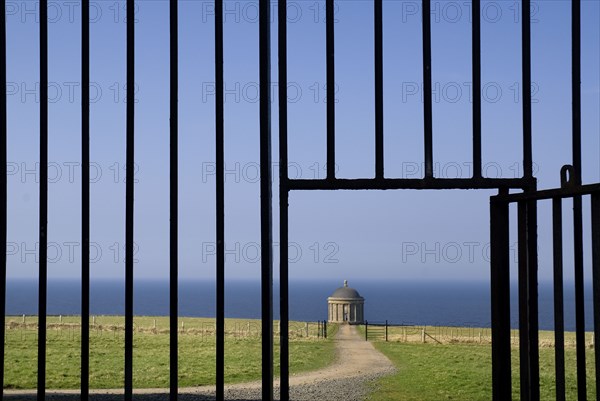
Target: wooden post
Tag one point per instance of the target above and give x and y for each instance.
(423, 335)
(386, 331)
(307, 333)
(154, 324)
(366, 330)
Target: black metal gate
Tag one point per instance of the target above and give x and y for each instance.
(528, 292)
(499, 204)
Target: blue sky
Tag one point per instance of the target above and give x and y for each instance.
(397, 235)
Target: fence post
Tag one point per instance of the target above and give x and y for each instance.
(386, 331)
(318, 329)
(423, 335)
(366, 330)
(307, 333)
(325, 328)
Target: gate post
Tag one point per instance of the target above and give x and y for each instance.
(366, 330)
(595, 223)
(500, 292)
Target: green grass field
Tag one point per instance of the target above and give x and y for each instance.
(150, 352)
(460, 368)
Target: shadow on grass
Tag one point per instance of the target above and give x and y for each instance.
(119, 397)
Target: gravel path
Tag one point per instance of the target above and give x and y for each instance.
(358, 364)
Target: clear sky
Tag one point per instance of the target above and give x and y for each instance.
(393, 235)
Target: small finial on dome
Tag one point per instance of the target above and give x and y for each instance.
(345, 283)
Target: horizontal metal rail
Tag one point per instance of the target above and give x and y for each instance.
(548, 194)
(409, 183)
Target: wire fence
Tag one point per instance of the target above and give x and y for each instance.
(456, 335)
(25, 328)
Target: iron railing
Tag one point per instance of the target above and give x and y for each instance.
(499, 204)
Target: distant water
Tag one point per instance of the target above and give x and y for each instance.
(420, 303)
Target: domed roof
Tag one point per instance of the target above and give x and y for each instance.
(345, 292)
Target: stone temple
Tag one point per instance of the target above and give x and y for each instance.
(346, 305)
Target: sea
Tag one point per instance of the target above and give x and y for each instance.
(465, 304)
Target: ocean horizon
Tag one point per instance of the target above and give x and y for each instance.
(464, 304)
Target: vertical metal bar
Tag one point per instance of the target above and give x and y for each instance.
(559, 320)
(220, 203)
(284, 357)
(330, 61)
(532, 301)
(579, 298)
(596, 281)
(129, 193)
(3, 186)
(523, 302)
(576, 85)
(427, 95)
(476, 49)
(43, 222)
(378, 12)
(526, 76)
(266, 226)
(500, 295)
(85, 199)
(577, 212)
(173, 203)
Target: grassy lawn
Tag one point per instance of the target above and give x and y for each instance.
(151, 352)
(462, 371)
